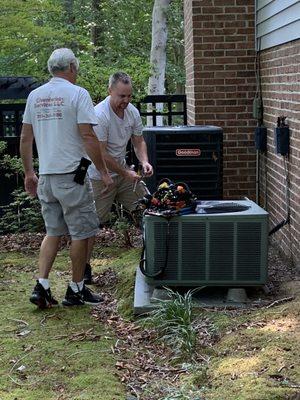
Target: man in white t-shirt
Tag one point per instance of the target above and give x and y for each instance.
(59, 116)
(118, 122)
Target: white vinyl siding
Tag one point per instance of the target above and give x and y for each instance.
(277, 22)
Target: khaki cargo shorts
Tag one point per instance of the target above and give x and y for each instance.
(67, 207)
(122, 191)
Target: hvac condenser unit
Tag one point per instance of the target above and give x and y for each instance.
(192, 154)
(212, 249)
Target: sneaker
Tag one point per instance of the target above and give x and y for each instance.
(90, 297)
(42, 297)
(73, 298)
(87, 274)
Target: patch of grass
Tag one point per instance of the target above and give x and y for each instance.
(40, 355)
(256, 358)
(125, 267)
(257, 361)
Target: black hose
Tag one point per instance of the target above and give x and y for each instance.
(279, 226)
(287, 199)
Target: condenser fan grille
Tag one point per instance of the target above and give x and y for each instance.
(248, 250)
(193, 251)
(221, 249)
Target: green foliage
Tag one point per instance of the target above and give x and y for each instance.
(30, 30)
(10, 165)
(173, 319)
(23, 213)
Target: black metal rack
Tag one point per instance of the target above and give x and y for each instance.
(172, 110)
(11, 115)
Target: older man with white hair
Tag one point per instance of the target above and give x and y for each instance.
(59, 116)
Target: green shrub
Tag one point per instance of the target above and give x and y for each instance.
(174, 321)
(23, 213)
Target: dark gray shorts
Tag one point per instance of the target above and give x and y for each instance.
(67, 207)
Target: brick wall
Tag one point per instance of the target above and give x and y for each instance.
(220, 86)
(280, 74)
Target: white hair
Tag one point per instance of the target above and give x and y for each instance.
(61, 59)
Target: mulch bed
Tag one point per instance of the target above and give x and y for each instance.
(107, 237)
(279, 270)
(145, 364)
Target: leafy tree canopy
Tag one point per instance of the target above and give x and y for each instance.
(106, 35)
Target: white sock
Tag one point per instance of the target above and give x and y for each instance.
(76, 286)
(44, 283)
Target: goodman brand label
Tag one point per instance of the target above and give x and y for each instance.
(188, 152)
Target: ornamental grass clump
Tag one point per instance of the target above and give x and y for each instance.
(174, 321)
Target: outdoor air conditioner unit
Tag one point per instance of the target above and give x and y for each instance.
(217, 249)
(190, 154)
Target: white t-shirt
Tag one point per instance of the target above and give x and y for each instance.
(54, 110)
(115, 131)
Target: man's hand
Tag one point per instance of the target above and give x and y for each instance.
(107, 180)
(31, 183)
(131, 176)
(147, 169)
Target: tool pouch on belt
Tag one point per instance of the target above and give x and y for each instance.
(81, 170)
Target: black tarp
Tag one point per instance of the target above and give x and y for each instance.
(12, 87)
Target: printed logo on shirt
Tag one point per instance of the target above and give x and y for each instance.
(48, 108)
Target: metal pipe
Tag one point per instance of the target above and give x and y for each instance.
(257, 178)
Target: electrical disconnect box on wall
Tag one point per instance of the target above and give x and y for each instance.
(261, 138)
(282, 137)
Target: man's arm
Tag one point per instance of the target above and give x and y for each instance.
(26, 142)
(95, 152)
(140, 149)
(114, 166)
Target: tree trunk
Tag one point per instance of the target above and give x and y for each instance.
(96, 31)
(156, 83)
(69, 7)
(71, 22)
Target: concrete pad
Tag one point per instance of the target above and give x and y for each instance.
(237, 295)
(142, 294)
(159, 294)
(207, 297)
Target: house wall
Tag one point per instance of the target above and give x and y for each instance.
(277, 22)
(280, 76)
(220, 67)
(220, 86)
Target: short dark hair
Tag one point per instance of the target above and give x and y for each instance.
(119, 77)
